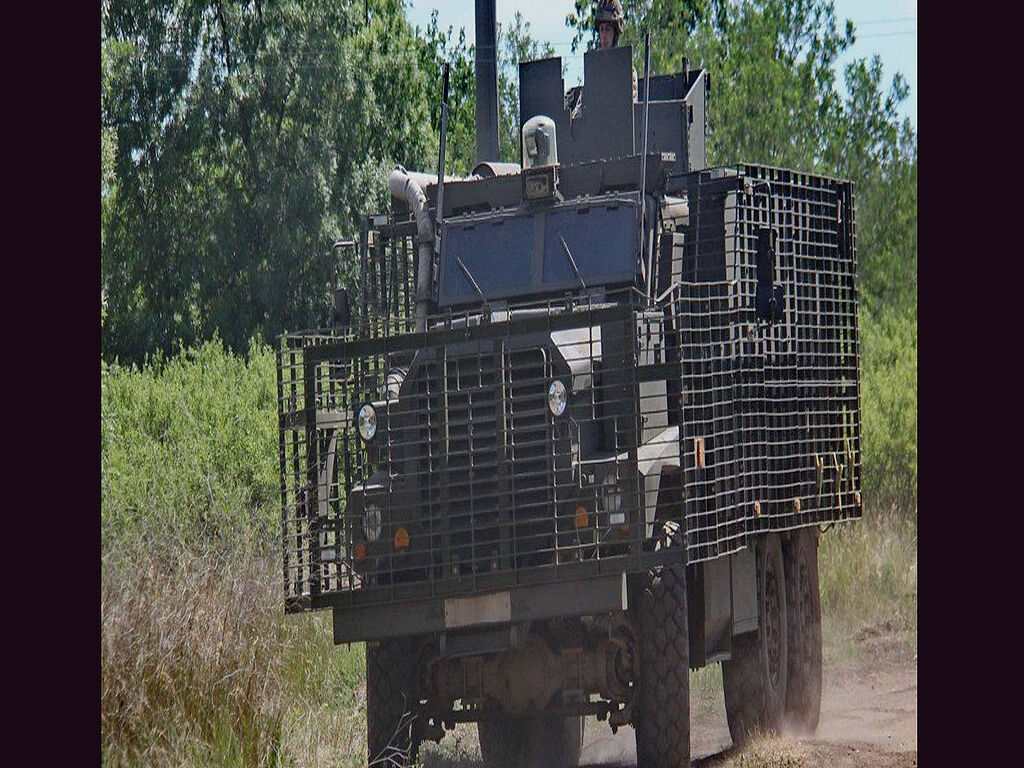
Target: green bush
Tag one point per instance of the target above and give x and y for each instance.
(189, 450)
(888, 393)
(199, 664)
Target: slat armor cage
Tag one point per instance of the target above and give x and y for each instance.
(690, 424)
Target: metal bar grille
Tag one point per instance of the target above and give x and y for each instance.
(471, 482)
(773, 408)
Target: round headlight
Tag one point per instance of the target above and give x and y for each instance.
(557, 398)
(367, 420)
(373, 522)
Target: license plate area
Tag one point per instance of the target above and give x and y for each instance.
(494, 608)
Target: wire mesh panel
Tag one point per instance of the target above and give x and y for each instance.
(721, 467)
(772, 402)
(388, 261)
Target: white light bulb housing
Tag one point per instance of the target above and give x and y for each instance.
(366, 421)
(558, 398)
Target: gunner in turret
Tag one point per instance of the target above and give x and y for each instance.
(608, 22)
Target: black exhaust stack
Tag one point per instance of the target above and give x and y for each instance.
(487, 146)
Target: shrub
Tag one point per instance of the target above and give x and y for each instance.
(889, 411)
(199, 665)
(189, 450)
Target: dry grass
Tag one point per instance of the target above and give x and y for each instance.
(325, 724)
(868, 574)
(706, 689)
(769, 751)
(199, 666)
(189, 664)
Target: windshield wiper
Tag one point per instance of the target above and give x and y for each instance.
(572, 262)
(472, 282)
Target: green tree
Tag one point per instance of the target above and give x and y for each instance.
(775, 99)
(240, 140)
(436, 47)
(772, 65)
(246, 138)
(515, 45)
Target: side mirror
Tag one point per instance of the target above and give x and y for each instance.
(769, 298)
(339, 310)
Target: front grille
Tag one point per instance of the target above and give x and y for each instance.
(483, 443)
(470, 484)
(528, 441)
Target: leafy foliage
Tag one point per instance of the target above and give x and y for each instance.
(188, 450)
(247, 138)
(889, 409)
(240, 141)
(437, 47)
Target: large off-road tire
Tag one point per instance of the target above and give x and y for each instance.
(755, 678)
(662, 718)
(511, 741)
(803, 608)
(391, 702)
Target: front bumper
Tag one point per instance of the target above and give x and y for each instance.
(600, 594)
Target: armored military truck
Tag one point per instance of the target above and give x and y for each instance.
(579, 430)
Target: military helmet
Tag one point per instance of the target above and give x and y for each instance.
(609, 10)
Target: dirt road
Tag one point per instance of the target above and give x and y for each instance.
(868, 718)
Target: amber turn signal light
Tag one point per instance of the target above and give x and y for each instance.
(581, 518)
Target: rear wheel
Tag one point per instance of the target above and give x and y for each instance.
(510, 741)
(755, 678)
(803, 603)
(662, 719)
(391, 702)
